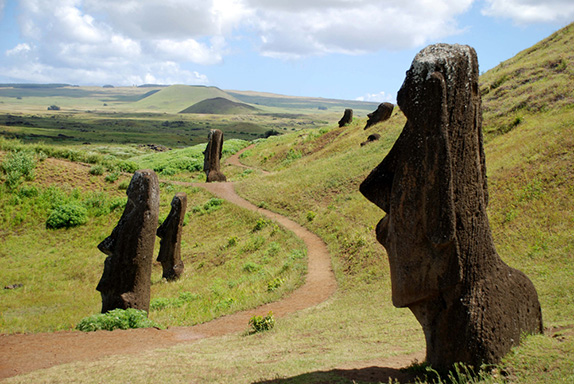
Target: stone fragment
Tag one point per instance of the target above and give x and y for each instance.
(211, 163)
(126, 280)
(170, 234)
(383, 112)
(473, 308)
(371, 138)
(347, 118)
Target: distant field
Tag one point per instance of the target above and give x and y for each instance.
(71, 115)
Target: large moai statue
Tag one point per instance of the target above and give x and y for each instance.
(383, 113)
(211, 165)
(473, 308)
(126, 279)
(347, 118)
(170, 234)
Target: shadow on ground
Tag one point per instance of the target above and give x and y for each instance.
(348, 376)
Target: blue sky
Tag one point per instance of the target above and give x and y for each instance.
(345, 49)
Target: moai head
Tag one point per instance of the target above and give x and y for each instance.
(416, 182)
(125, 282)
(432, 185)
(213, 152)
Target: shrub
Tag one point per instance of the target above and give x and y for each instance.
(251, 267)
(17, 165)
(97, 170)
(274, 284)
(67, 216)
(116, 319)
(262, 323)
(259, 225)
(211, 205)
(311, 215)
(112, 177)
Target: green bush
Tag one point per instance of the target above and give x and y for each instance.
(116, 319)
(18, 165)
(67, 216)
(211, 205)
(262, 323)
(112, 177)
(259, 225)
(97, 170)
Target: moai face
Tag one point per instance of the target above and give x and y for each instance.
(415, 183)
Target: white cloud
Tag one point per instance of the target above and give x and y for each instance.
(294, 28)
(531, 11)
(377, 97)
(136, 37)
(20, 49)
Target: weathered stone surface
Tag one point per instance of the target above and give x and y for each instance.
(126, 279)
(347, 118)
(383, 112)
(371, 138)
(170, 234)
(211, 162)
(432, 184)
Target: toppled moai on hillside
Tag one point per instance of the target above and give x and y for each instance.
(126, 279)
(372, 137)
(473, 307)
(347, 118)
(383, 113)
(211, 162)
(170, 234)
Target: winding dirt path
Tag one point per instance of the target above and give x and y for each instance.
(22, 353)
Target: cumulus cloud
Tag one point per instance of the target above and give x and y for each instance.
(158, 39)
(377, 97)
(295, 28)
(531, 11)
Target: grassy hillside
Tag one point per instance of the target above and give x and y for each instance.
(314, 179)
(220, 106)
(178, 97)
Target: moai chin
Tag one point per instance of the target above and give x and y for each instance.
(211, 162)
(473, 308)
(170, 234)
(126, 279)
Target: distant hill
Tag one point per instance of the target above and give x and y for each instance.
(176, 98)
(220, 106)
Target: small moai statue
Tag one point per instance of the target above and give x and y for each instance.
(383, 113)
(211, 162)
(126, 280)
(170, 234)
(432, 184)
(347, 118)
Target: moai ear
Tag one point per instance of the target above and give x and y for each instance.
(439, 211)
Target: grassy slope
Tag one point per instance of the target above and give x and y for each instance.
(179, 97)
(531, 177)
(220, 106)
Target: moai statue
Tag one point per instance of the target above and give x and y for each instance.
(347, 118)
(170, 234)
(212, 153)
(126, 280)
(473, 308)
(383, 112)
(372, 137)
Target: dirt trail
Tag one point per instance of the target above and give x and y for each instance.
(22, 353)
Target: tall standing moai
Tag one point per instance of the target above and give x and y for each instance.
(347, 118)
(170, 234)
(211, 162)
(126, 279)
(473, 308)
